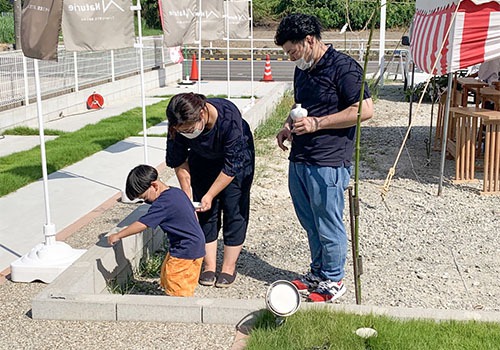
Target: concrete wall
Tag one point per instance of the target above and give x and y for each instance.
(81, 291)
(76, 102)
(259, 112)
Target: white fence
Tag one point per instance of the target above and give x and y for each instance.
(73, 71)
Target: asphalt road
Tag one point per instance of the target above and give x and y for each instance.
(241, 70)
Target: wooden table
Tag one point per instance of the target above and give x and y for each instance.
(490, 94)
(491, 183)
(470, 84)
(463, 147)
(467, 121)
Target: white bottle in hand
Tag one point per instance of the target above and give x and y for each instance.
(298, 112)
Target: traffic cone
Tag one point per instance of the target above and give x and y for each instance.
(268, 76)
(194, 69)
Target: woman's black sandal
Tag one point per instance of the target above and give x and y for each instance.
(225, 280)
(207, 278)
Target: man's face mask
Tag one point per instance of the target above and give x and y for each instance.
(302, 64)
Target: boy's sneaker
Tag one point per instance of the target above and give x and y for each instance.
(307, 283)
(327, 292)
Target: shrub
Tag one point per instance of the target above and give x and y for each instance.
(7, 29)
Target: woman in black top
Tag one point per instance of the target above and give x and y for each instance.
(211, 148)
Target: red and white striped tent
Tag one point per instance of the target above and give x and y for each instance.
(474, 36)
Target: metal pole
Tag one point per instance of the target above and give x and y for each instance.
(381, 52)
(112, 53)
(143, 90)
(49, 227)
(252, 88)
(228, 56)
(75, 64)
(445, 132)
(412, 94)
(26, 82)
(199, 46)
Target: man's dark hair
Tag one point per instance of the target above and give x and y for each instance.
(296, 27)
(139, 179)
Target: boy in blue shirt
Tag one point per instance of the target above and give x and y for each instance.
(172, 210)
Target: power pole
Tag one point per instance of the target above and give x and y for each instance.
(17, 6)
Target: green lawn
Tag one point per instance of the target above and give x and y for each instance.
(22, 168)
(324, 330)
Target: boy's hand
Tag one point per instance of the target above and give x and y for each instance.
(113, 238)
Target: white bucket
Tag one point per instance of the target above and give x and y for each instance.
(282, 298)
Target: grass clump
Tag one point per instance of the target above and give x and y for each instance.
(144, 280)
(324, 329)
(265, 132)
(275, 122)
(26, 131)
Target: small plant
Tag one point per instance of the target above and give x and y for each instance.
(150, 267)
(115, 287)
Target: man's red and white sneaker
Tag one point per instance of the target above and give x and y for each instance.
(327, 292)
(307, 283)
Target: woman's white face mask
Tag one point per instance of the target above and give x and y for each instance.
(192, 135)
(195, 133)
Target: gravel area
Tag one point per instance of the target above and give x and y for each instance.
(419, 249)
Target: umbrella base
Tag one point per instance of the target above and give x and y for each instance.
(44, 262)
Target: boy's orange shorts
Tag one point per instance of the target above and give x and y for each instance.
(179, 277)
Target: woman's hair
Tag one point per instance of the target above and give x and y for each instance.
(296, 27)
(139, 179)
(184, 108)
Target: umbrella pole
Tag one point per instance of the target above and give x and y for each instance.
(445, 132)
(49, 228)
(140, 46)
(48, 260)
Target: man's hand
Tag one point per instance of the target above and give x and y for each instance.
(283, 134)
(305, 125)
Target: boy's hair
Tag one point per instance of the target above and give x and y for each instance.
(139, 179)
(296, 27)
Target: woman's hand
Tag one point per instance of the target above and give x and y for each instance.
(206, 203)
(283, 134)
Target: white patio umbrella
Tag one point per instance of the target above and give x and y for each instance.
(40, 24)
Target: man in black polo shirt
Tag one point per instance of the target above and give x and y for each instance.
(328, 84)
